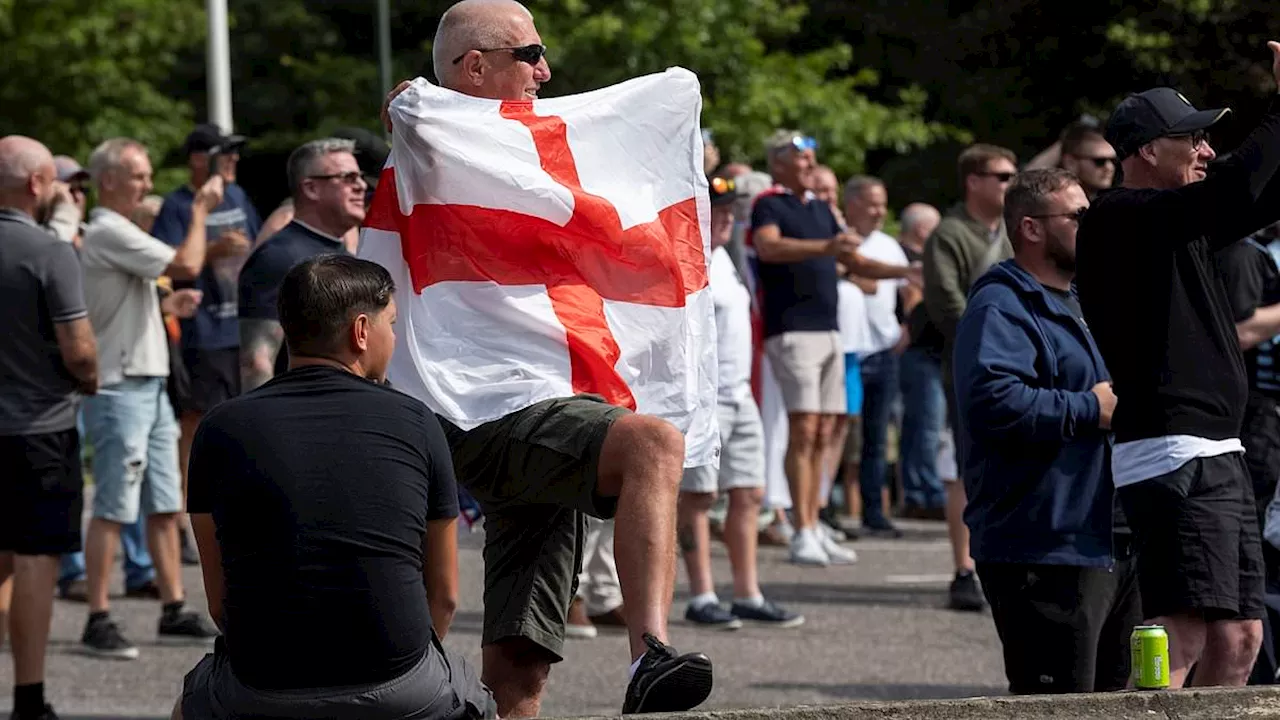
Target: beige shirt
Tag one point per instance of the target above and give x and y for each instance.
(121, 264)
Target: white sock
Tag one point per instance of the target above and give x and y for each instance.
(753, 602)
(708, 598)
(634, 667)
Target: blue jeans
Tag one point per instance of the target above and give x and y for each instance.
(138, 569)
(923, 417)
(879, 388)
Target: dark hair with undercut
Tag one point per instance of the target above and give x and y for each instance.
(1077, 134)
(320, 297)
(1027, 195)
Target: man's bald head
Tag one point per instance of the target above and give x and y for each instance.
(919, 220)
(26, 174)
(474, 25)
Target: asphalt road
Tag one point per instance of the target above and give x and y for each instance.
(876, 630)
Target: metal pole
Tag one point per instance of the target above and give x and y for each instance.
(219, 65)
(384, 47)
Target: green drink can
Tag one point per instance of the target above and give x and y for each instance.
(1150, 646)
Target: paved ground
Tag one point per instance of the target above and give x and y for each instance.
(876, 630)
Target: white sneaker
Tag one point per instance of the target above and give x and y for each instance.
(837, 554)
(806, 549)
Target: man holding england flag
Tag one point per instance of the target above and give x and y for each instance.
(555, 316)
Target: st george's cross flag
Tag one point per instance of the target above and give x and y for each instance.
(547, 248)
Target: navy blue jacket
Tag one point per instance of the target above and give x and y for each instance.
(1037, 468)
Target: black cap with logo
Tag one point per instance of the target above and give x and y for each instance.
(1156, 113)
(207, 137)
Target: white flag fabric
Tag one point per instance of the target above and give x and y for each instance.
(547, 248)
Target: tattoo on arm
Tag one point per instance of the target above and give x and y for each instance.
(260, 342)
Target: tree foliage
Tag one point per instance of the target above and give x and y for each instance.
(73, 73)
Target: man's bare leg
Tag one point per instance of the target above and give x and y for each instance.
(803, 466)
(741, 537)
(34, 577)
(99, 552)
(694, 537)
(166, 555)
(824, 440)
(833, 456)
(189, 422)
(1187, 637)
(6, 593)
(957, 531)
(516, 670)
(1230, 650)
(641, 463)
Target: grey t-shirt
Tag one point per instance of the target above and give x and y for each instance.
(40, 286)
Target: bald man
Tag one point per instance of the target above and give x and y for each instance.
(560, 460)
(47, 361)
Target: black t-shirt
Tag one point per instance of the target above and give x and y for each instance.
(321, 484)
(1253, 281)
(798, 296)
(266, 266)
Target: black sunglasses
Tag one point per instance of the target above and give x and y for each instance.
(1003, 177)
(1076, 214)
(348, 178)
(530, 54)
(1098, 162)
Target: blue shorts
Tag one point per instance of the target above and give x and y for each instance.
(135, 450)
(853, 383)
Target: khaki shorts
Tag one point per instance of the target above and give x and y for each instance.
(534, 474)
(809, 368)
(741, 452)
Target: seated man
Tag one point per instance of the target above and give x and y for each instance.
(325, 499)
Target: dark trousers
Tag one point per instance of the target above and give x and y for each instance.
(879, 389)
(924, 413)
(1063, 628)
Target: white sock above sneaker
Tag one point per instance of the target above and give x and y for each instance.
(709, 598)
(634, 667)
(752, 602)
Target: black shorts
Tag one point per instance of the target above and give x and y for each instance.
(1199, 548)
(215, 377)
(41, 493)
(1063, 629)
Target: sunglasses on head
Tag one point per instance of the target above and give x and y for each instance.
(530, 54)
(804, 142)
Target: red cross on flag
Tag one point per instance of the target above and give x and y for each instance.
(547, 248)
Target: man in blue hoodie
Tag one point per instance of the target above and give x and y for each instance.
(1035, 403)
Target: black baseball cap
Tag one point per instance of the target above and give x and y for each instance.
(207, 137)
(1156, 113)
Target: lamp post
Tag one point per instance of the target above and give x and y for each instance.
(219, 65)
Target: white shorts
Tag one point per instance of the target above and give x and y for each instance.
(809, 367)
(741, 451)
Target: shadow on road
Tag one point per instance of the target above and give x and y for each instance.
(830, 594)
(888, 691)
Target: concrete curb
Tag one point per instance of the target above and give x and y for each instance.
(1254, 703)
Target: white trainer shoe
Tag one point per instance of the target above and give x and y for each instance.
(806, 549)
(837, 554)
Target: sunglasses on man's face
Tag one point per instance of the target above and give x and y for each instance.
(1197, 138)
(530, 54)
(1098, 162)
(1003, 177)
(1075, 215)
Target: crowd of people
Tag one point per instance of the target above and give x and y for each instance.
(1073, 367)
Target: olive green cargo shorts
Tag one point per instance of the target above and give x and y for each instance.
(534, 474)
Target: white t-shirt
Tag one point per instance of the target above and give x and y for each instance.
(851, 314)
(121, 264)
(733, 327)
(883, 327)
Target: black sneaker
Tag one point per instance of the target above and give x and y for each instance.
(712, 616)
(882, 528)
(965, 594)
(767, 614)
(146, 591)
(46, 714)
(667, 682)
(102, 638)
(185, 627)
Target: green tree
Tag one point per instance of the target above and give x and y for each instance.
(751, 86)
(75, 72)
